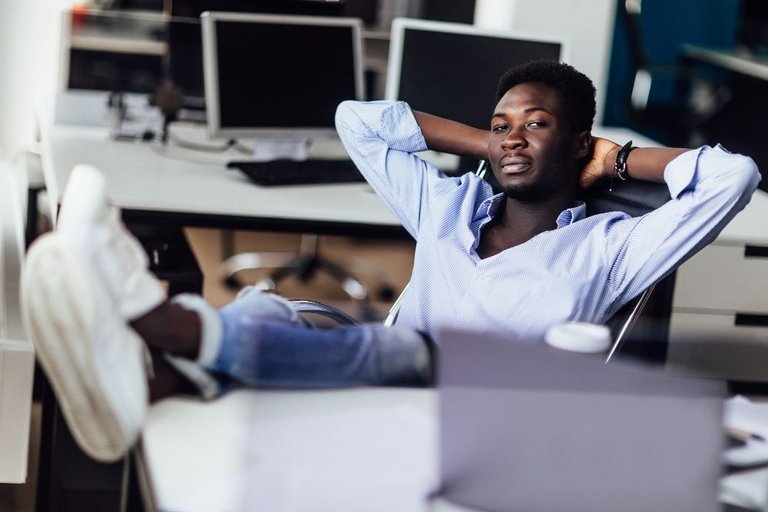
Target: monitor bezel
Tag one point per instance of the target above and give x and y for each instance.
(209, 21)
(400, 25)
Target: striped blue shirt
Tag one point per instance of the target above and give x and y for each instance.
(583, 269)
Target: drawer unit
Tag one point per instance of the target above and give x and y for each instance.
(725, 345)
(719, 322)
(724, 277)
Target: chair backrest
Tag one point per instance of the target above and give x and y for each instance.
(684, 99)
(16, 351)
(637, 198)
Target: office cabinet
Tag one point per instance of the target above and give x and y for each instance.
(719, 322)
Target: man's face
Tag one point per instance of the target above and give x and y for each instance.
(533, 150)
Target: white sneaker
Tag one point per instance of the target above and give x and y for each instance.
(88, 223)
(80, 285)
(93, 360)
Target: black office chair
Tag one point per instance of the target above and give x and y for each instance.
(640, 328)
(679, 122)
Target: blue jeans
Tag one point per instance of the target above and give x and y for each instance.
(265, 344)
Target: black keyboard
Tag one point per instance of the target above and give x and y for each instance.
(306, 172)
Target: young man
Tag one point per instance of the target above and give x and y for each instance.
(513, 263)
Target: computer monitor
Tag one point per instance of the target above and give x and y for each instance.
(451, 69)
(184, 61)
(268, 75)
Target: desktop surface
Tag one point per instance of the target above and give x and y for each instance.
(370, 449)
(181, 184)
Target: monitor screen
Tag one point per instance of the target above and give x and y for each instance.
(279, 75)
(184, 62)
(451, 69)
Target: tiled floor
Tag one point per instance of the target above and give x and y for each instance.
(374, 262)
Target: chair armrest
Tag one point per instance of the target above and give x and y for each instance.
(305, 307)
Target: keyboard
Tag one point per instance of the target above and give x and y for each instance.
(306, 172)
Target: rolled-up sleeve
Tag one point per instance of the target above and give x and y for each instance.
(708, 187)
(381, 138)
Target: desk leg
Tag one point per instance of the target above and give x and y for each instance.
(69, 480)
(170, 257)
(141, 495)
(33, 216)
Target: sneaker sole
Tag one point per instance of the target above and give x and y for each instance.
(63, 333)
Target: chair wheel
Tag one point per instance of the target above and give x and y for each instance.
(386, 293)
(232, 283)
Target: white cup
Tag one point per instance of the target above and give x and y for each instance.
(579, 337)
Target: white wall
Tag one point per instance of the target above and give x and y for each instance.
(586, 24)
(29, 41)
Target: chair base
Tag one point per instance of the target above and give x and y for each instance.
(306, 265)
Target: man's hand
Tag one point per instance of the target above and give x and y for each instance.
(600, 165)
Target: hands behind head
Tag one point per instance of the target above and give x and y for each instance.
(600, 164)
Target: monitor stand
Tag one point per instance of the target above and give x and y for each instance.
(280, 148)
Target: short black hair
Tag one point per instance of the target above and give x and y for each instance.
(576, 91)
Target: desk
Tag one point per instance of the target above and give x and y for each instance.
(169, 188)
(151, 187)
(372, 449)
(366, 449)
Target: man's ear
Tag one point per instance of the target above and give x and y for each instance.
(583, 144)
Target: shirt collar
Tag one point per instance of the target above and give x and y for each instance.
(489, 208)
(576, 212)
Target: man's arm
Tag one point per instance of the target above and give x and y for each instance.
(645, 164)
(708, 187)
(383, 137)
(452, 137)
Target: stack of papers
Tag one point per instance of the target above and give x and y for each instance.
(748, 488)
